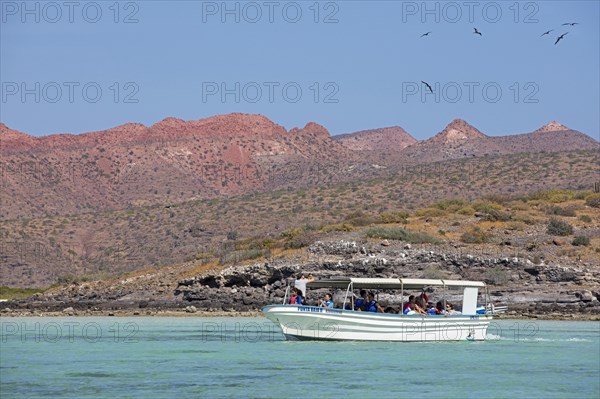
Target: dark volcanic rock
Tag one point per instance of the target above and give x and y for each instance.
(526, 288)
(265, 283)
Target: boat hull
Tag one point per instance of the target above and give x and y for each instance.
(299, 322)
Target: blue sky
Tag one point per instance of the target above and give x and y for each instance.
(348, 65)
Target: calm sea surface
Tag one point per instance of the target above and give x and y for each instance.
(247, 358)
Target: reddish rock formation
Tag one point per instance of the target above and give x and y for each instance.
(176, 160)
(172, 160)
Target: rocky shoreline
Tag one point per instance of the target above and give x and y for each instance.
(544, 291)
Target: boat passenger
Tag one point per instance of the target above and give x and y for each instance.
(327, 303)
(430, 309)
(350, 302)
(419, 306)
(301, 282)
(373, 305)
(409, 306)
(439, 308)
(362, 301)
(419, 302)
(294, 296)
(450, 308)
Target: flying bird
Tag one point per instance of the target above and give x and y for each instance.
(428, 86)
(570, 23)
(477, 32)
(425, 34)
(547, 33)
(559, 38)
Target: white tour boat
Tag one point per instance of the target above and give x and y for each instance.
(320, 323)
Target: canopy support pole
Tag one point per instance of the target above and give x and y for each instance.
(346, 297)
(286, 294)
(488, 301)
(402, 297)
(444, 296)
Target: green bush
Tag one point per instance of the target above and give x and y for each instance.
(467, 210)
(413, 237)
(239, 256)
(360, 219)
(559, 228)
(582, 195)
(336, 227)
(291, 233)
(581, 241)
(585, 218)
(558, 211)
(486, 207)
(431, 212)
(18, 293)
(525, 218)
(393, 217)
(301, 240)
(493, 215)
(475, 236)
(68, 279)
(232, 235)
(554, 196)
(593, 200)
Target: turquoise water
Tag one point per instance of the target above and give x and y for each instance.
(248, 358)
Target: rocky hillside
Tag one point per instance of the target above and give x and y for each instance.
(100, 204)
(38, 252)
(461, 140)
(170, 161)
(387, 139)
(548, 138)
(544, 290)
(174, 160)
(457, 140)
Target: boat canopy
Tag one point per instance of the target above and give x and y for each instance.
(391, 283)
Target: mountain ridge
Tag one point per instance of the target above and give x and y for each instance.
(175, 160)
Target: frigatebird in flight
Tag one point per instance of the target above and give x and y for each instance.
(425, 34)
(547, 32)
(559, 38)
(428, 86)
(477, 32)
(570, 23)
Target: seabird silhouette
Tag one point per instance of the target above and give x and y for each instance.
(425, 34)
(477, 32)
(560, 37)
(428, 86)
(570, 23)
(547, 32)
